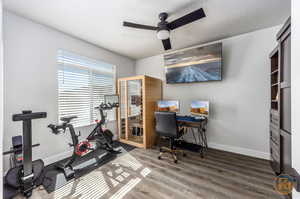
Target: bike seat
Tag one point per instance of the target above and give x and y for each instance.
(68, 119)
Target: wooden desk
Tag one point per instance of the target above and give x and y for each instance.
(190, 124)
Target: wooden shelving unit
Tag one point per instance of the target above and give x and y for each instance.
(280, 113)
(138, 98)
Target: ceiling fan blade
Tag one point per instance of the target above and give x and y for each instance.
(140, 26)
(166, 44)
(186, 19)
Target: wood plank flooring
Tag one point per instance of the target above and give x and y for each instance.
(140, 175)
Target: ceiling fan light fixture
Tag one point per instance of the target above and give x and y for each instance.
(163, 34)
(164, 27)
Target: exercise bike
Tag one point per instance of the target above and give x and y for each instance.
(99, 138)
(24, 174)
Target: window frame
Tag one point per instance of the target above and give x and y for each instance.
(90, 72)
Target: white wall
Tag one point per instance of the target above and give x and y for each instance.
(30, 51)
(239, 114)
(295, 82)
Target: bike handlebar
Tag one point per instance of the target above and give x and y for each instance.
(56, 129)
(107, 106)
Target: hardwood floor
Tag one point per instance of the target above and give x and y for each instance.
(218, 175)
(138, 174)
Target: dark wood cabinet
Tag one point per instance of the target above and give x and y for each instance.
(275, 135)
(280, 114)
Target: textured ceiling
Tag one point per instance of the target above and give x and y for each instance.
(100, 22)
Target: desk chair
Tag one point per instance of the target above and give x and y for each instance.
(166, 126)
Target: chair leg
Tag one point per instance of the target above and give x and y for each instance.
(160, 154)
(174, 157)
(172, 150)
(160, 149)
(182, 152)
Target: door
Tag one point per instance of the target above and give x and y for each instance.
(122, 109)
(135, 130)
(285, 85)
(285, 103)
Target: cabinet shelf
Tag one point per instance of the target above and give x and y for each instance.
(274, 72)
(276, 84)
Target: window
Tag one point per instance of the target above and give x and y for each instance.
(82, 84)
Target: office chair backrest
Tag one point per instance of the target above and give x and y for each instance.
(166, 124)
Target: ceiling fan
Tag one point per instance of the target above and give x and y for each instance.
(163, 27)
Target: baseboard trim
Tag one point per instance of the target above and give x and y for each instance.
(239, 150)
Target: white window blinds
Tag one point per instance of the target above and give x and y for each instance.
(82, 84)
